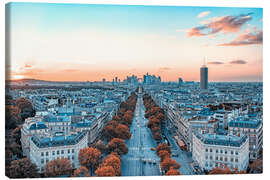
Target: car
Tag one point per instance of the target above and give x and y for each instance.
(153, 149)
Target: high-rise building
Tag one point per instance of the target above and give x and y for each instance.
(180, 81)
(204, 77)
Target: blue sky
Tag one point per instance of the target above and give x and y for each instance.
(145, 38)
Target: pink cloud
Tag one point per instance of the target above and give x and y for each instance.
(224, 24)
(246, 38)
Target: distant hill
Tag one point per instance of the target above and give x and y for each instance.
(39, 82)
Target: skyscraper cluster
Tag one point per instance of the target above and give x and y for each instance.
(151, 79)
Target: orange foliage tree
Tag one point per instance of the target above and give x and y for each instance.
(163, 154)
(58, 167)
(105, 171)
(157, 136)
(168, 163)
(256, 166)
(117, 145)
(81, 172)
(89, 157)
(114, 161)
(173, 172)
(163, 146)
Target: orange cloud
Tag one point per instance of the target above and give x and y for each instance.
(215, 63)
(247, 38)
(238, 62)
(225, 24)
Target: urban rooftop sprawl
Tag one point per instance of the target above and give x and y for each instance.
(209, 128)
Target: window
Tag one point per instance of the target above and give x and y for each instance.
(42, 161)
(221, 151)
(42, 153)
(236, 159)
(53, 153)
(236, 152)
(62, 151)
(211, 157)
(206, 164)
(216, 158)
(47, 160)
(68, 151)
(216, 150)
(225, 151)
(72, 150)
(206, 157)
(232, 152)
(231, 159)
(210, 150)
(221, 158)
(225, 159)
(206, 150)
(72, 157)
(68, 157)
(58, 152)
(47, 153)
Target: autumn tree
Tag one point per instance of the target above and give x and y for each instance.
(22, 168)
(117, 145)
(155, 129)
(81, 172)
(89, 157)
(256, 166)
(105, 171)
(101, 146)
(153, 122)
(26, 108)
(13, 118)
(114, 161)
(172, 172)
(163, 146)
(157, 136)
(116, 118)
(163, 154)
(113, 129)
(219, 170)
(58, 167)
(168, 163)
(123, 131)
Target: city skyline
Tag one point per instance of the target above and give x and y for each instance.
(71, 42)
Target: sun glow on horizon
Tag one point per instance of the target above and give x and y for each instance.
(17, 77)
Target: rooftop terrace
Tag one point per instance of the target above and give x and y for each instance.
(43, 142)
(222, 140)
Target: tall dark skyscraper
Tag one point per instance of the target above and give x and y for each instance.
(204, 77)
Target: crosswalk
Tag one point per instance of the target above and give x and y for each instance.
(137, 148)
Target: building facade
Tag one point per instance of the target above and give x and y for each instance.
(212, 150)
(204, 78)
(253, 128)
(45, 149)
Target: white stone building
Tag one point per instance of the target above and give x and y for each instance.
(45, 149)
(253, 128)
(212, 150)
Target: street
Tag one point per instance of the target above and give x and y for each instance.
(140, 159)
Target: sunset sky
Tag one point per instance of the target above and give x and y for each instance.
(71, 42)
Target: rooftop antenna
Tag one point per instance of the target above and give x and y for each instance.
(204, 62)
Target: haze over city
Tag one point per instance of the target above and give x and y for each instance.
(90, 42)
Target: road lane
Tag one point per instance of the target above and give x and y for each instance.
(139, 147)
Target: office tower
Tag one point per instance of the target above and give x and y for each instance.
(204, 77)
(180, 81)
